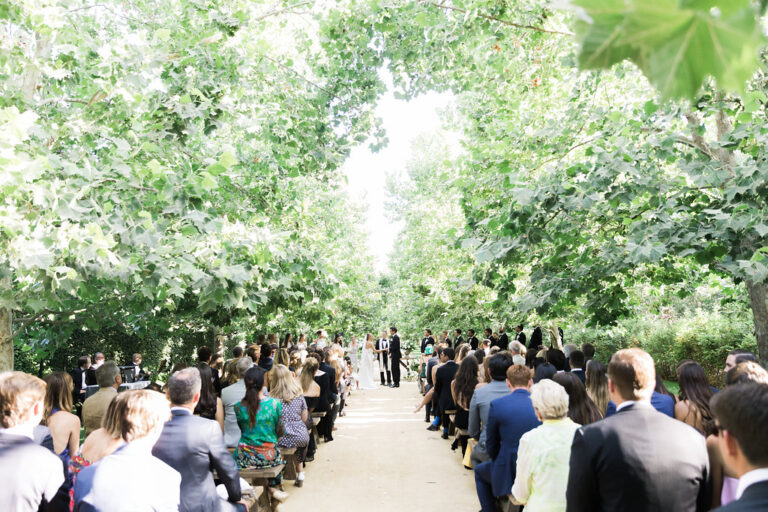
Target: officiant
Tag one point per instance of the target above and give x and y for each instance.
(382, 347)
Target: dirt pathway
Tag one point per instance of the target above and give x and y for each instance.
(383, 459)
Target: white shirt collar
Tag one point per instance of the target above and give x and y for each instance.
(622, 405)
(25, 430)
(752, 477)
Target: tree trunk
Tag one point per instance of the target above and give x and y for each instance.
(758, 298)
(6, 339)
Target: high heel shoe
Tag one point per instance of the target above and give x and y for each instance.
(454, 445)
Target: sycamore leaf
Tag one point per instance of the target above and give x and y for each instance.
(598, 29)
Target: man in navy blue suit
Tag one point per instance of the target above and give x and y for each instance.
(509, 418)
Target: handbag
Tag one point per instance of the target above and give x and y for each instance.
(468, 454)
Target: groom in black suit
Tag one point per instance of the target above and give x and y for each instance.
(395, 355)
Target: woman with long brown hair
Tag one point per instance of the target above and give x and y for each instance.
(597, 385)
(260, 420)
(64, 426)
(210, 406)
(462, 388)
(695, 393)
(581, 408)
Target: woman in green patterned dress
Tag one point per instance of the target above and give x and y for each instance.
(259, 419)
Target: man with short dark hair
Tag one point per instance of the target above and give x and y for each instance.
(737, 356)
(459, 340)
(741, 412)
(204, 355)
(577, 365)
(589, 352)
(95, 407)
(503, 338)
(638, 460)
(443, 378)
(472, 339)
(90, 374)
(509, 418)
(32, 476)
(481, 402)
(395, 355)
(192, 445)
(427, 340)
(520, 336)
(237, 352)
(78, 379)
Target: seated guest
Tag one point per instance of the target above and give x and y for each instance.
(638, 459)
(543, 371)
(597, 385)
(266, 361)
(741, 411)
(32, 476)
(542, 460)
(695, 393)
(95, 406)
(153, 485)
(581, 408)
(230, 395)
(327, 375)
(101, 442)
(509, 418)
(259, 418)
(65, 426)
(462, 389)
(498, 364)
(312, 395)
(79, 376)
(230, 374)
(210, 406)
(90, 374)
(576, 361)
(204, 357)
(443, 379)
(295, 414)
(193, 445)
(556, 358)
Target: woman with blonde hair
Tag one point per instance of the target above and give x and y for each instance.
(64, 426)
(461, 352)
(312, 395)
(295, 417)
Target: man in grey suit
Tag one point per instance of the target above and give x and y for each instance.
(230, 395)
(481, 404)
(190, 444)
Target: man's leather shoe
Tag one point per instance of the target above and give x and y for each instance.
(444, 436)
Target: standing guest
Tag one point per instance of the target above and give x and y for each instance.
(230, 374)
(487, 346)
(543, 371)
(282, 357)
(322, 340)
(266, 361)
(78, 379)
(737, 356)
(462, 389)
(503, 338)
(472, 339)
(427, 340)
(102, 487)
(254, 352)
(520, 335)
(395, 355)
(204, 356)
(354, 356)
(459, 340)
(498, 365)
(65, 426)
(295, 415)
(32, 476)
(237, 352)
(461, 352)
(209, 405)
(695, 394)
(597, 385)
(90, 374)
(259, 418)
(509, 418)
(556, 358)
(109, 379)
(302, 343)
(325, 427)
(536, 339)
(488, 335)
(576, 361)
(443, 379)
(638, 459)
(193, 446)
(139, 373)
(589, 352)
(287, 341)
(231, 395)
(542, 461)
(581, 408)
(741, 411)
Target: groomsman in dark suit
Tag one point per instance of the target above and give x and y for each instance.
(503, 338)
(536, 338)
(740, 411)
(638, 460)
(520, 336)
(459, 340)
(395, 355)
(472, 339)
(427, 340)
(79, 375)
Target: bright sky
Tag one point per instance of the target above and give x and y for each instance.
(367, 171)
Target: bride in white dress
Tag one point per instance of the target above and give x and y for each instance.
(367, 363)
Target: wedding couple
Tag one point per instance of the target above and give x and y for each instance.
(387, 351)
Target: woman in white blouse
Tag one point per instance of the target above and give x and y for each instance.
(544, 453)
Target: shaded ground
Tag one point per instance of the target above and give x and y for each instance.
(383, 459)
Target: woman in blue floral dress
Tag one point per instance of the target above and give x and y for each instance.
(285, 387)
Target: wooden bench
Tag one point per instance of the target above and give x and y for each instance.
(291, 463)
(316, 416)
(259, 477)
(451, 414)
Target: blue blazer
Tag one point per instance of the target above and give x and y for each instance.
(509, 417)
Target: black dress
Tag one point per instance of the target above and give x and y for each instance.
(461, 420)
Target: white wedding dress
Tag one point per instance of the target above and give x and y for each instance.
(365, 375)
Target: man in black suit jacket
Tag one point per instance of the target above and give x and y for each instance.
(385, 364)
(520, 336)
(577, 365)
(503, 338)
(192, 446)
(427, 340)
(32, 476)
(395, 355)
(638, 460)
(741, 412)
(536, 338)
(459, 340)
(137, 372)
(443, 378)
(79, 375)
(472, 339)
(204, 355)
(325, 427)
